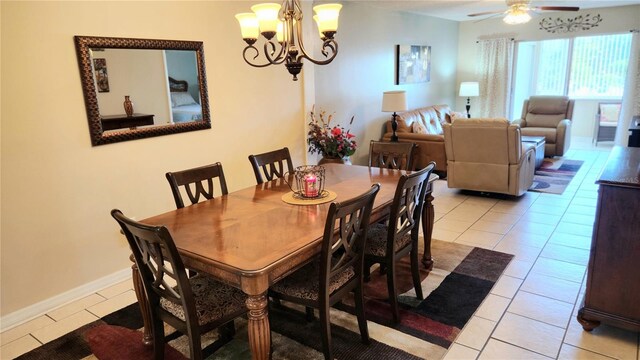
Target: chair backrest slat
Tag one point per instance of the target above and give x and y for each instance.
(406, 209)
(272, 164)
(344, 236)
(194, 180)
(391, 155)
(159, 264)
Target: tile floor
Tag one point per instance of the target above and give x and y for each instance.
(530, 313)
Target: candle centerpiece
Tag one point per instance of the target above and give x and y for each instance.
(309, 182)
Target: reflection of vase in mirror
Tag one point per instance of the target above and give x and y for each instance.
(128, 106)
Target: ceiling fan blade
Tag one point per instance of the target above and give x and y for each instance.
(486, 13)
(488, 17)
(558, 8)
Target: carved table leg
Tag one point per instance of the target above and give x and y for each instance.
(587, 325)
(427, 228)
(259, 330)
(138, 287)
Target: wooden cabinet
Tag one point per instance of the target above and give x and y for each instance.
(112, 122)
(613, 279)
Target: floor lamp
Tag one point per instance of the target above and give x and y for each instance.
(469, 89)
(393, 101)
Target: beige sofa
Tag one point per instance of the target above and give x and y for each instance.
(431, 142)
(488, 155)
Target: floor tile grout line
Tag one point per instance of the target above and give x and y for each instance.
(528, 273)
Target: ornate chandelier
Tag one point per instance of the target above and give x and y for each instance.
(281, 26)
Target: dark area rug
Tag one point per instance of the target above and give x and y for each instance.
(463, 276)
(555, 175)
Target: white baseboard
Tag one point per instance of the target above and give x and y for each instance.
(30, 312)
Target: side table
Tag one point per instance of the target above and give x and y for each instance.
(538, 142)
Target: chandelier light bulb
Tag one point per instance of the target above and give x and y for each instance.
(248, 26)
(327, 17)
(267, 15)
(280, 31)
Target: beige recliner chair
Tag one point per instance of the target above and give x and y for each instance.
(488, 155)
(548, 116)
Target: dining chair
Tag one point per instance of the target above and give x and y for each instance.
(272, 164)
(391, 155)
(192, 181)
(338, 269)
(388, 243)
(194, 305)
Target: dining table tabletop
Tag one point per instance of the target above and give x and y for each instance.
(251, 238)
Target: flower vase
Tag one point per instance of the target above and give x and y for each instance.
(334, 160)
(128, 106)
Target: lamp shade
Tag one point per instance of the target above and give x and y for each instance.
(469, 88)
(267, 15)
(327, 17)
(248, 25)
(393, 101)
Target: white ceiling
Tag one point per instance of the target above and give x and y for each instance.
(458, 9)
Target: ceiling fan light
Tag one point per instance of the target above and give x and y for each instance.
(517, 16)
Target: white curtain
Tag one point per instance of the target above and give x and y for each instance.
(631, 97)
(496, 61)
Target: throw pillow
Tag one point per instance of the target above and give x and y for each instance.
(181, 98)
(418, 128)
(456, 115)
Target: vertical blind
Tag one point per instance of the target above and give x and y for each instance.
(597, 66)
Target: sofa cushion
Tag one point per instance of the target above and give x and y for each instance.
(453, 115)
(443, 112)
(544, 120)
(548, 133)
(548, 105)
(418, 128)
(410, 116)
(431, 120)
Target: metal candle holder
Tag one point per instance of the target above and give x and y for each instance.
(309, 182)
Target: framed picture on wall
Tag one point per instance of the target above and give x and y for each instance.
(413, 64)
(102, 79)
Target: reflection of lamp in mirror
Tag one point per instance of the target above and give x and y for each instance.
(469, 89)
(393, 101)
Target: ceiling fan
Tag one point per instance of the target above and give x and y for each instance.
(518, 11)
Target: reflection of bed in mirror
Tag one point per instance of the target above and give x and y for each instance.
(183, 106)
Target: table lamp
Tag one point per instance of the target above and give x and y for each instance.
(393, 101)
(469, 89)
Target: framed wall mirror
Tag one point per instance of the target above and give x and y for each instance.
(139, 88)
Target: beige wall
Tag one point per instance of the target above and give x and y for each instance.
(614, 20)
(57, 190)
(365, 68)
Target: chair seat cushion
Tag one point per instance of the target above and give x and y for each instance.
(214, 300)
(377, 240)
(549, 134)
(304, 283)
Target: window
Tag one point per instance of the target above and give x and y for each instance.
(592, 67)
(599, 66)
(553, 69)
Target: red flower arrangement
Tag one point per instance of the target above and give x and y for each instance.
(327, 140)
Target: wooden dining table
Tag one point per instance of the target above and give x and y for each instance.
(251, 238)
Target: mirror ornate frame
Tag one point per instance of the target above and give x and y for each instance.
(98, 137)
